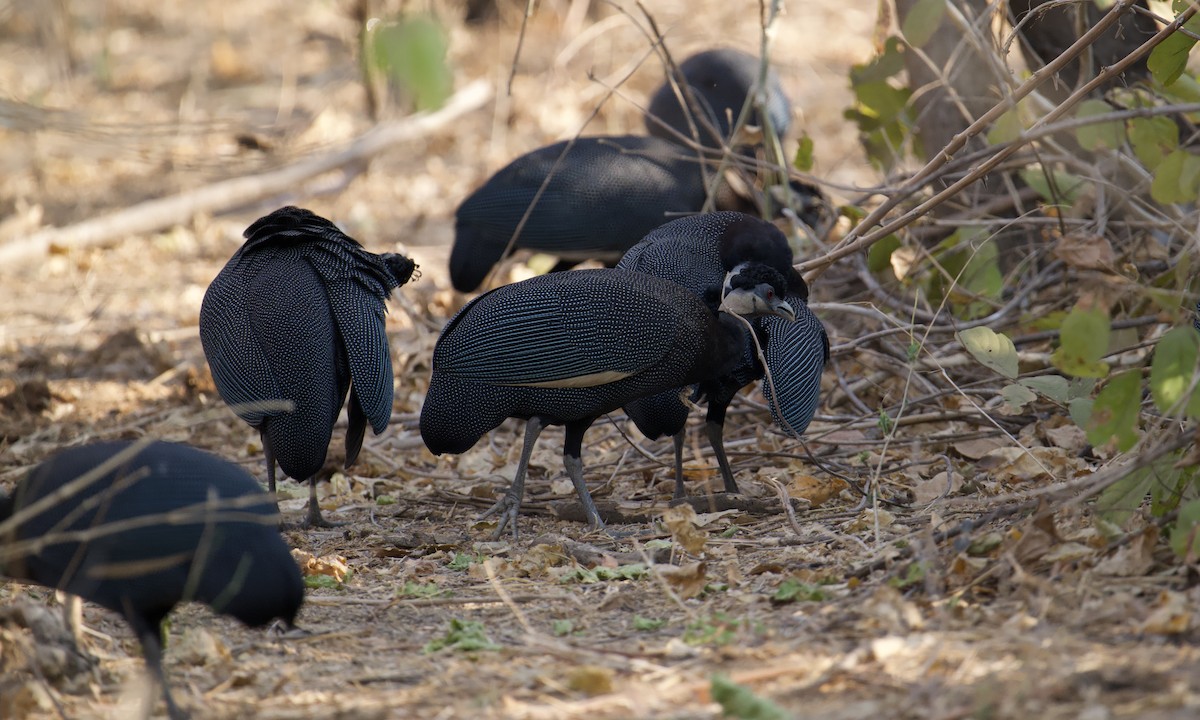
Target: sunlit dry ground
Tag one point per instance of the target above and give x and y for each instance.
(102, 343)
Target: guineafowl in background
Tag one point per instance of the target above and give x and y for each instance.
(720, 80)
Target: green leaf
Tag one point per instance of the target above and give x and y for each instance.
(1083, 341)
(1016, 397)
(972, 263)
(791, 590)
(887, 64)
(1153, 139)
(1185, 537)
(738, 701)
(880, 101)
(1119, 501)
(463, 636)
(1006, 128)
(1177, 178)
(992, 349)
(1173, 370)
(644, 624)
(879, 256)
(420, 590)
(326, 582)
(1168, 60)
(633, 571)
(804, 154)
(412, 52)
(1051, 386)
(1107, 135)
(562, 628)
(922, 21)
(1080, 410)
(1059, 187)
(1115, 412)
(462, 561)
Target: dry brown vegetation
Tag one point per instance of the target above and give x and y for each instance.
(929, 604)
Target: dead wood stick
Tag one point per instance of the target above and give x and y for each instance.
(164, 212)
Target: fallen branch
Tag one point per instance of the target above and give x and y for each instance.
(165, 212)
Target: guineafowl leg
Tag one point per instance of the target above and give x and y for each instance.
(679, 438)
(506, 510)
(270, 456)
(714, 426)
(315, 518)
(152, 650)
(573, 462)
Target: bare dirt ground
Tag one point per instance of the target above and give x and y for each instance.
(1009, 621)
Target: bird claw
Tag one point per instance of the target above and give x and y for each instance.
(316, 519)
(505, 510)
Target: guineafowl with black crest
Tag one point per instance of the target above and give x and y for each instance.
(720, 81)
(566, 348)
(697, 252)
(592, 198)
(139, 527)
(602, 196)
(293, 322)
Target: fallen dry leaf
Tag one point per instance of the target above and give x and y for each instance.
(1172, 616)
(1085, 251)
(332, 565)
(816, 490)
(591, 680)
(926, 491)
(687, 581)
(681, 520)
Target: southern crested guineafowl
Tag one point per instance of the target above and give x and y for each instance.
(721, 80)
(139, 527)
(565, 348)
(297, 315)
(604, 195)
(697, 252)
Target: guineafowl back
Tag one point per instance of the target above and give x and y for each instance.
(149, 526)
(568, 346)
(297, 314)
(605, 194)
(275, 339)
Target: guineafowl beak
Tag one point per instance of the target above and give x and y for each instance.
(753, 302)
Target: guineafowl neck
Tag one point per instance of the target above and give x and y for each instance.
(730, 340)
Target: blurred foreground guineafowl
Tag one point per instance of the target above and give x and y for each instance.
(720, 81)
(297, 315)
(604, 194)
(139, 527)
(565, 348)
(697, 252)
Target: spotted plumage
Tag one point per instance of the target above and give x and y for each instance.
(698, 252)
(563, 349)
(297, 316)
